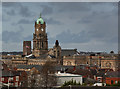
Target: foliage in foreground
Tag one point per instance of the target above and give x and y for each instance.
(71, 82)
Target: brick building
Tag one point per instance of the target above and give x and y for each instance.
(26, 47)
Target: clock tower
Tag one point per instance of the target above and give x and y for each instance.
(40, 41)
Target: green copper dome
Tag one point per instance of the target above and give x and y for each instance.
(40, 20)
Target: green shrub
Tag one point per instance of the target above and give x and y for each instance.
(71, 82)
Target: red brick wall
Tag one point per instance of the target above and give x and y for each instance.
(109, 79)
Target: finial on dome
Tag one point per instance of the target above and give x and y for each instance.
(40, 15)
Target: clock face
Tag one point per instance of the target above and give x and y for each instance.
(42, 29)
(37, 29)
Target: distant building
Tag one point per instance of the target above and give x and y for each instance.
(26, 47)
(113, 77)
(62, 77)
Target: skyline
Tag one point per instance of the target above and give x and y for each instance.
(85, 26)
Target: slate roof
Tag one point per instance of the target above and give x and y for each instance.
(44, 56)
(83, 72)
(113, 74)
(6, 73)
(68, 52)
(38, 67)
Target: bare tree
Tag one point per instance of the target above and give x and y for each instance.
(47, 75)
(33, 78)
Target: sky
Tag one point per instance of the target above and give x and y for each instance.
(87, 26)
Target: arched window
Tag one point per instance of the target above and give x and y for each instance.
(111, 81)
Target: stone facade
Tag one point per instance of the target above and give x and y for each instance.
(103, 62)
(56, 52)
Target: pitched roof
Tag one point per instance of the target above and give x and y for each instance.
(113, 74)
(68, 52)
(38, 67)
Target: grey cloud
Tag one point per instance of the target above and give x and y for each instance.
(24, 11)
(20, 8)
(4, 18)
(11, 36)
(84, 20)
(69, 37)
(52, 21)
(46, 10)
(28, 38)
(11, 12)
(24, 21)
(71, 6)
(10, 4)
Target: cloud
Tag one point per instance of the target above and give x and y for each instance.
(84, 20)
(52, 21)
(28, 38)
(24, 21)
(11, 36)
(87, 22)
(10, 4)
(46, 10)
(71, 6)
(11, 12)
(24, 11)
(4, 18)
(20, 9)
(69, 37)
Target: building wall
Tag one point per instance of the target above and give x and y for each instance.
(101, 61)
(62, 79)
(115, 80)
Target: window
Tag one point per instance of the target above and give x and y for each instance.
(99, 79)
(111, 81)
(87, 62)
(16, 84)
(11, 79)
(116, 82)
(17, 78)
(2, 79)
